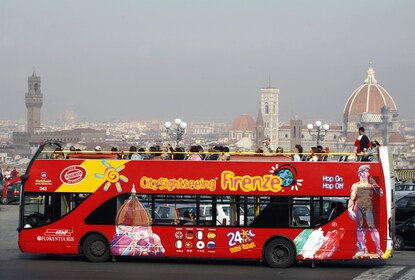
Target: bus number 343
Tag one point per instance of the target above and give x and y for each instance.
(44, 189)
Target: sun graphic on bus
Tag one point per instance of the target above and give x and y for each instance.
(288, 175)
(112, 176)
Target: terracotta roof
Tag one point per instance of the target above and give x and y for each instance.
(396, 137)
(243, 123)
(369, 98)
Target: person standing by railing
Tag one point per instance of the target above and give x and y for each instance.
(372, 153)
(362, 143)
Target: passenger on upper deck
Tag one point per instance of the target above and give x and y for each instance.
(71, 150)
(266, 145)
(313, 156)
(133, 154)
(141, 151)
(300, 151)
(201, 151)
(150, 155)
(58, 154)
(227, 153)
(324, 154)
(295, 156)
(372, 153)
(98, 149)
(114, 150)
(362, 143)
(179, 153)
(215, 153)
(194, 150)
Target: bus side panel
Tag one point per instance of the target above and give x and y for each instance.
(362, 237)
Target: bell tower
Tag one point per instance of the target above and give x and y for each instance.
(34, 102)
(269, 111)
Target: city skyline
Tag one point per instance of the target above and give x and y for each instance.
(160, 60)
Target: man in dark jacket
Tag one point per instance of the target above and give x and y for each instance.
(362, 142)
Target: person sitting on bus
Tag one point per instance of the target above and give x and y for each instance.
(194, 150)
(157, 155)
(295, 156)
(325, 154)
(300, 152)
(188, 218)
(336, 210)
(227, 153)
(215, 153)
(150, 155)
(313, 156)
(134, 155)
(71, 150)
(179, 153)
(58, 154)
(114, 150)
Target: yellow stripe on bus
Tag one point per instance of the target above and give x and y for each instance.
(96, 178)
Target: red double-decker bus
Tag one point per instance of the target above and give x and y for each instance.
(249, 207)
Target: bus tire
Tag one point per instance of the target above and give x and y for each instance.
(279, 253)
(96, 249)
(399, 243)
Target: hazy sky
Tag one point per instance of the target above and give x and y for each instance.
(203, 60)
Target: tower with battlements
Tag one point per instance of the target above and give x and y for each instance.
(34, 102)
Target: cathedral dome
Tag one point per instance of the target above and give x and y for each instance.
(243, 123)
(369, 98)
(133, 213)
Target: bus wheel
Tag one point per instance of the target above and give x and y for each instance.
(5, 201)
(96, 248)
(279, 253)
(399, 243)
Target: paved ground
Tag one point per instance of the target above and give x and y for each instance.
(8, 220)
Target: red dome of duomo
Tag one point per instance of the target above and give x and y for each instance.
(369, 98)
(243, 123)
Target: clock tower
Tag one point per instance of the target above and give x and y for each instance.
(34, 102)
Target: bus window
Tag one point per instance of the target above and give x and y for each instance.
(300, 212)
(255, 204)
(326, 209)
(41, 209)
(229, 211)
(268, 218)
(48, 151)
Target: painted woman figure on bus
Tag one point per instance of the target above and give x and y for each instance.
(361, 210)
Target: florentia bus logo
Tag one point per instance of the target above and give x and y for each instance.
(58, 232)
(73, 174)
(56, 235)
